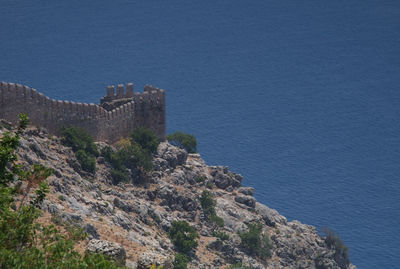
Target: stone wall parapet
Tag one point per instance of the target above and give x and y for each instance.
(145, 109)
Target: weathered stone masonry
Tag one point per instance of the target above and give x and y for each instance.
(118, 114)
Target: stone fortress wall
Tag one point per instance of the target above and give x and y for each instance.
(119, 113)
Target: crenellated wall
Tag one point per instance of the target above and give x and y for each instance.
(145, 109)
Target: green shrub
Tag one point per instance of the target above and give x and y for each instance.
(134, 157)
(200, 179)
(141, 158)
(180, 261)
(209, 185)
(117, 160)
(88, 163)
(24, 243)
(145, 138)
(207, 203)
(256, 243)
(76, 233)
(79, 139)
(238, 266)
(221, 235)
(182, 140)
(113, 158)
(135, 154)
(183, 236)
(217, 220)
(341, 256)
(83, 145)
(120, 175)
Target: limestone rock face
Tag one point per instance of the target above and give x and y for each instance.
(246, 190)
(246, 200)
(112, 250)
(130, 223)
(223, 178)
(172, 155)
(270, 216)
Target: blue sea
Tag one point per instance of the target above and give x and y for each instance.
(300, 97)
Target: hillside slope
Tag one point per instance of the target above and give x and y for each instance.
(131, 222)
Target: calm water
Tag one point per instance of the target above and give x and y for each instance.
(301, 97)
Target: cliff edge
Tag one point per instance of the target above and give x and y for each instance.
(130, 223)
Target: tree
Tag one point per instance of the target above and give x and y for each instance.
(341, 256)
(208, 204)
(130, 154)
(83, 145)
(24, 243)
(183, 236)
(145, 138)
(180, 261)
(182, 140)
(256, 243)
(79, 139)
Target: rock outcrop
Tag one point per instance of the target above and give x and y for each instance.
(129, 223)
(112, 250)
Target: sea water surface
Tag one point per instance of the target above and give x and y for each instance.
(301, 97)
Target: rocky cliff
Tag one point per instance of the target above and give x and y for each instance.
(130, 222)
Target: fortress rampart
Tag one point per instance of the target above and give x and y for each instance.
(117, 115)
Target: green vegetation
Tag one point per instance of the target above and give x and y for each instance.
(217, 221)
(238, 266)
(200, 179)
(255, 243)
(183, 236)
(341, 256)
(119, 172)
(146, 139)
(134, 154)
(180, 261)
(208, 204)
(83, 145)
(88, 163)
(79, 139)
(24, 243)
(182, 140)
(221, 235)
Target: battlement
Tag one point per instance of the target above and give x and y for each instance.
(117, 115)
(125, 93)
(121, 93)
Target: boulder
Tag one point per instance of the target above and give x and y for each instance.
(246, 190)
(147, 259)
(112, 250)
(70, 218)
(176, 201)
(270, 216)
(222, 246)
(91, 231)
(127, 207)
(173, 155)
(246, 200)
(223, 178)
(35, 147)
(122, 220)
